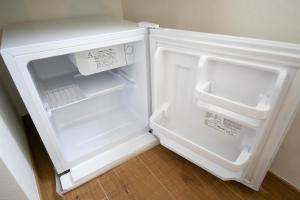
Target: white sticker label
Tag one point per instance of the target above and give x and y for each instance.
(103, 58)
(222, 124)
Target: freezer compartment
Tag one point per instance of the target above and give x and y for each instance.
(60, 84)
(239, 86)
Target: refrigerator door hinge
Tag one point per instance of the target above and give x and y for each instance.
(59, 188)
(148, 25)
(64, 172)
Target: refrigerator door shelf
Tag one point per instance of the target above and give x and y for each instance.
(234, 163)
(205, 93)
(244, 87)
(199, 160)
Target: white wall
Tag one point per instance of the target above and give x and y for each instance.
(9, 188)
(265, 19)
(17, 178)
(287, 162)
(16, 11)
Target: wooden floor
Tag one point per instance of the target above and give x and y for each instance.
(155, 174)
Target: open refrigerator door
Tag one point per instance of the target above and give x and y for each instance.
(214, 104)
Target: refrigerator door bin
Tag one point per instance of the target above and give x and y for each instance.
(231, 151)
(243, 87)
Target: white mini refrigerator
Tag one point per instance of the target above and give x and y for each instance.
(101, 91)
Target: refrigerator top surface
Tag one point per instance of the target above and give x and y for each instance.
(32, 33)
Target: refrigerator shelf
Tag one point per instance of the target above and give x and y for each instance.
(69, 90)
(63, 96)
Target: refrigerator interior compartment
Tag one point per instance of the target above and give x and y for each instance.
(244, 87)
(103, 59)
(231, 151)
(90, 114)
(98, 133)
(94, 126)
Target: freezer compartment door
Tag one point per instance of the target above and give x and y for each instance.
(210, 106)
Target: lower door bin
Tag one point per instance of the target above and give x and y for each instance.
(224, 153)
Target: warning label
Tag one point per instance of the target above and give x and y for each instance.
(222, 124)
(103, 58)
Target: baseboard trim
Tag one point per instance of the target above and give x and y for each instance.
(285, 181)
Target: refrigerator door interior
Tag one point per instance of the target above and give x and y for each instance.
(213, 104)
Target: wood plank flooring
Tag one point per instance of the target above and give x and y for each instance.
(157, 174)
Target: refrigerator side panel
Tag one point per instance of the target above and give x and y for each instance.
(271, 145)
(36, 113)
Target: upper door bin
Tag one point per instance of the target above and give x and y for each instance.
(243, 87)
